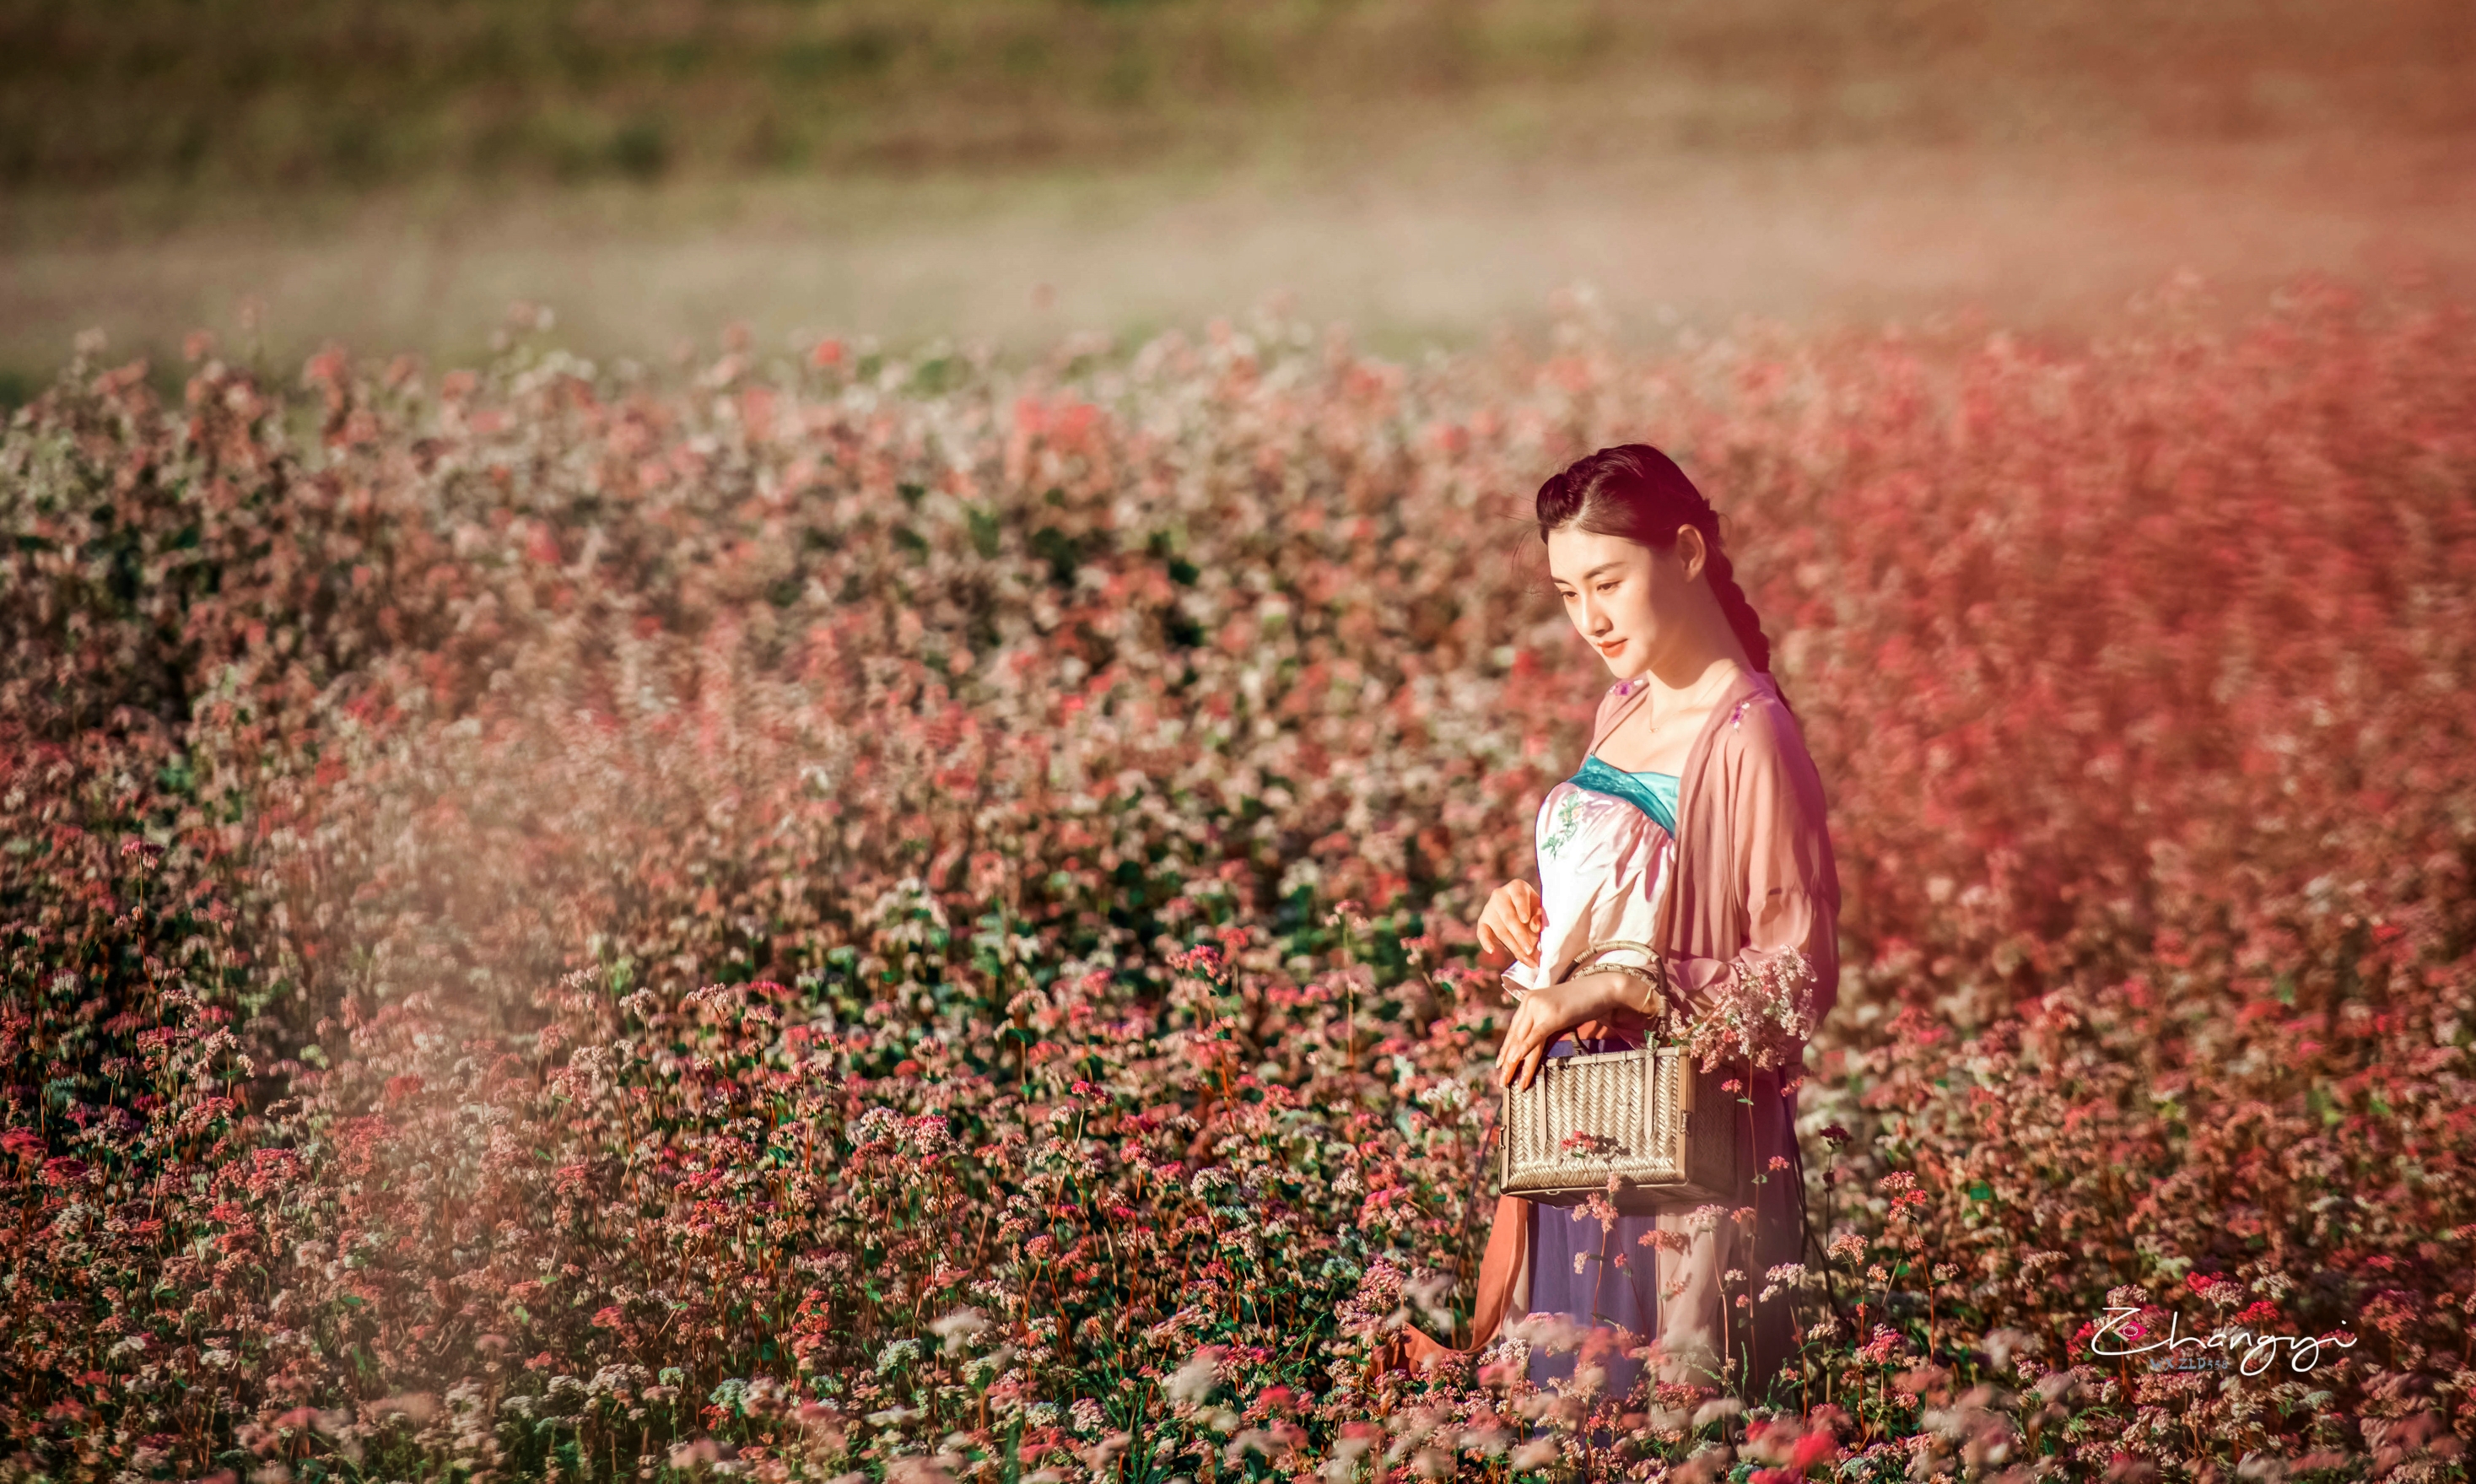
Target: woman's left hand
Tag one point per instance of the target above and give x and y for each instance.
(1581, 1004)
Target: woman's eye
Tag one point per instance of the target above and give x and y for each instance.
(1607, 587)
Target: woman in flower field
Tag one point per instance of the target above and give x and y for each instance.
(1688, 858)
(477, 998)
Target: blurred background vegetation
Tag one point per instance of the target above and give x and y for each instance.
(359, 92)
(393, 174)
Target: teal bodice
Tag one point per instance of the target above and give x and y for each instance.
(1652, 793)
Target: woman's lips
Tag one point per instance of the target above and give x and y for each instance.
(1611, 646)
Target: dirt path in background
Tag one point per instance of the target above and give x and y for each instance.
(1434, 248)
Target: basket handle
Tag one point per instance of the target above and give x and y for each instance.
(1663, 1027)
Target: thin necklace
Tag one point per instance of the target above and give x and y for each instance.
(1687, 705)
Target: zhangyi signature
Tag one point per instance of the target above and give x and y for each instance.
(2305, 1352)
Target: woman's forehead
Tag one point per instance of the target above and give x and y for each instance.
(1573, 555)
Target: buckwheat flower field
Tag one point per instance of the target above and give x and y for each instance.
(851, 916)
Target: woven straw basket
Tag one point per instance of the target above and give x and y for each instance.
(1660, 1129)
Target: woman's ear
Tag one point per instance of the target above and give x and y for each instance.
(1691, 553)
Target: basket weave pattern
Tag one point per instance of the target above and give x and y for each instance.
(1654, 1125)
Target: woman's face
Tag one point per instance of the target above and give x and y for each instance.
(1623, 597)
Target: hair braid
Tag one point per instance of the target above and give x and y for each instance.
(1733, 602)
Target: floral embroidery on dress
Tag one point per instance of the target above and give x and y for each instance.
(1568, 818)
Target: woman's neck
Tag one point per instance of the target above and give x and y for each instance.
(1683, 689)
(1709, 644)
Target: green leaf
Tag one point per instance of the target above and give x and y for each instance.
(984, 529)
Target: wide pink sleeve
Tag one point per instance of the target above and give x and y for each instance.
(1771, 832)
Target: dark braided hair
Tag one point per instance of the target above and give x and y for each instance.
(1635, 492)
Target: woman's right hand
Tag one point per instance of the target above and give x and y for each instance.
(1511, 922)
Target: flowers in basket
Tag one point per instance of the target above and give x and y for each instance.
(1761, 1013)
(1582, 1144)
